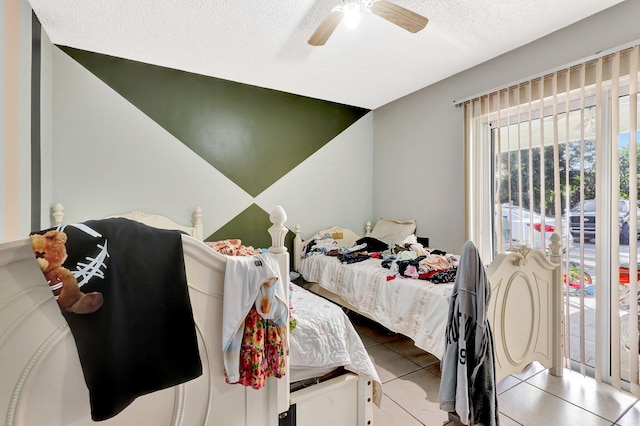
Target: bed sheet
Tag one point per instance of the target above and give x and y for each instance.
(415, 308)
(324, 338)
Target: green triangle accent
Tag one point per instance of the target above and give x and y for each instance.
(251, 227)
(252, 135)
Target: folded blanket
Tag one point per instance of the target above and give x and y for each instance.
(142, 339)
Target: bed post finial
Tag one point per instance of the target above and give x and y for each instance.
(196, 221)
(58, 213)
(555, 248)
(555, 257)
(280, 398)
(297, 247)
(278, 231)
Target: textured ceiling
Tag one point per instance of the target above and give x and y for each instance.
(264, 43)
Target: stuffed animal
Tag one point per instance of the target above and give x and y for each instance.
(51, 253)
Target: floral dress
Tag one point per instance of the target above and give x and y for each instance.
(262, 353)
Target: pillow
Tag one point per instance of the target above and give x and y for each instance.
(393, 231)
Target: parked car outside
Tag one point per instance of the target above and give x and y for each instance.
(517, 224)
(625, 220)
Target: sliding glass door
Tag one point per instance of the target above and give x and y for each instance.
(559, 154)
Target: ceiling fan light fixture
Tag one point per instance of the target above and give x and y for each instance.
(351, 14)
(350, 11)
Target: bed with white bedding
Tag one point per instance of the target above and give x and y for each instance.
(415, 308)
(324, 339)
(525, 309)
(44, 363)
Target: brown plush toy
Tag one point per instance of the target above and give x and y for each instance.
(51, 253)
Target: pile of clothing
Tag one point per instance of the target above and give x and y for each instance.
(408, 259)
(319, 244)
(233, 247)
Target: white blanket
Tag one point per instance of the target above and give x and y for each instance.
(324, 337)
(415, 308)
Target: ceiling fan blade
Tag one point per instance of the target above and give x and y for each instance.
(326, 27)
(398, 15)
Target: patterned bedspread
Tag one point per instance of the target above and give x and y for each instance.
(415, 308)
(324, 337)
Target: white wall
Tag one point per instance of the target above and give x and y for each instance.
(15, 119)
(418, 140)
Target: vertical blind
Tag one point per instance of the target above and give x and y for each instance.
(543, 147)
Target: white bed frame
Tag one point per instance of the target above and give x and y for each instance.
(42, 380)
(196, 230)
(525, 309)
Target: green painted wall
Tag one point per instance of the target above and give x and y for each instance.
(252, 135)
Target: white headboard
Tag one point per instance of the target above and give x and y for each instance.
(344, 236)
(196, 230)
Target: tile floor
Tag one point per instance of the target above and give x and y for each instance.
(411, 381)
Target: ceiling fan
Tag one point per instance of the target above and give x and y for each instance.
(350, 11)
